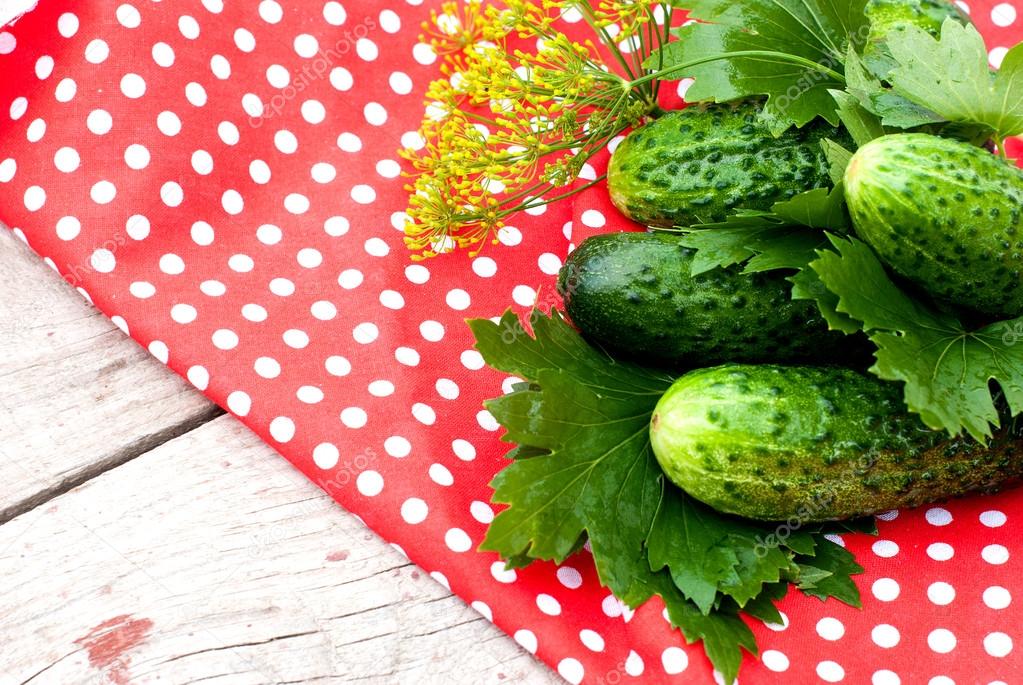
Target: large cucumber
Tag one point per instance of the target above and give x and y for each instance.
(944, 214)
(813, 443)
(699, 164)
(634, 294)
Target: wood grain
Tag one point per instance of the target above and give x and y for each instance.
(209, 559)
(79, 397)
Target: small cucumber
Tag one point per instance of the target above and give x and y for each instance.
(699, 164)
(634, 294)
(943, 214)
(775, 443)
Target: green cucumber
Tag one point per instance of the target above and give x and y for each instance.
(775, 443)
(634, 294)
(943, 214)
(887, 16)
(700, 164)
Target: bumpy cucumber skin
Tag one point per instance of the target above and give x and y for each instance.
(699, 164)
(774, 443)
(943, 214)
(633, 293)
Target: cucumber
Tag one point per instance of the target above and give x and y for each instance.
(699, 164)
(775, 443)
(943, 214)
(892, 15)
(633, 293)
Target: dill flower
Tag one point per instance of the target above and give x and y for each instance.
(520, 108)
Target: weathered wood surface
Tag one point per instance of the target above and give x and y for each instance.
(77, 397)
(145, 541)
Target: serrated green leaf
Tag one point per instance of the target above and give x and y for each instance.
(838, 159)
(829, 572)
(807, 285)
(946, 367)
(951, 77)
(863, 125)
(801, 46)
(895, 111)
(763, 606)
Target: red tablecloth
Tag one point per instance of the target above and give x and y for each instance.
(260, 256)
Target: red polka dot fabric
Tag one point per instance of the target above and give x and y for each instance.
(222, 180)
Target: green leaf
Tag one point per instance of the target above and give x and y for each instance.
(800, 46)
(838, 158)
(951, 77)
(828, 573)
(806, 285)
(946, 367)
(895, 111)
(763, 607)
(863, 125)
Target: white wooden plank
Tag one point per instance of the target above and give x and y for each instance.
(210, 559)
(78, 395)
(10, 10)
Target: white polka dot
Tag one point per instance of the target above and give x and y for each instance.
(214, 289)
(65, 90)
(502, 574)
(390, 21)
(19, 105)
(188, 26)
(103, 261)
(886, 589)
(103, 192)
(440, 475)
(997, 55)
(99, 122)
(313, 111)
(941, 679)
(941, 593)
(366, 49)
(830, 629)
(569, 577)
(432, 331)
(996, 597)
(309, 257)
(375, 113)
(138, 227)
(885, 677)
(295, 338)
(244, 39)
(172, 194)
(937, 516)
(634, 664)
(593, 218)
(68, 228)
(202, 162)
(778, 627)
(458, 299)
(254, 312)
(323, 310)
(8, 168)
(142, 289)
(128, 16)
(282, 429)
(363, 194)
(472, 360)
(220, 67)
(163, 55)
(133, 86)
(341, 79)
(66, 159)
(885, 636)
(463, 449)
(400, 83)
(487, 421)
(35, 198)
(509, 235)
(296, 203)
(136, 156)
(267, 367)
(370, 483)
(998, 645)
(184, 313)
(424, 413)
(397, 447)
(524, 296)
(995, 554)
(350, 279)
(830, 672)
(268, 234)
(571, 670)
(286, 142)
(940, 551)
(775, 661)
(447, 388)
(674, 660)
(157, 348)
(337, 365)
(611, 606)
(424, 54)
(407, 356)
(228, 133)
(482, 512)
(278, 76)
(239, 403)
(326, 455)
(270, 11)
(281, 287)
(67, 24)
(483, 609)
(1003, 14)
(381, 388)
(306, 46)
(941, 641)
(225, 339)
(198, 376)
(414, 510)
(97, 51)
(548, 604)
(993, 519)
(44, 67)
(354, 417)
(526, 639)
(885, 548)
